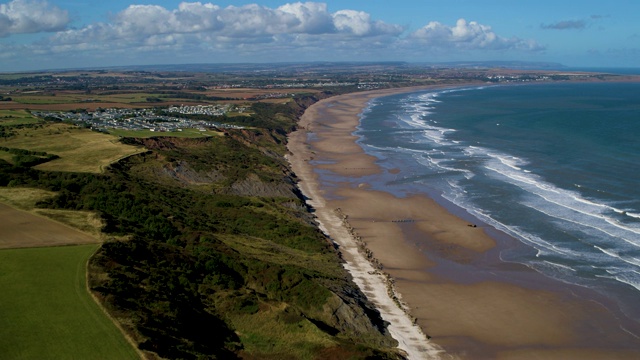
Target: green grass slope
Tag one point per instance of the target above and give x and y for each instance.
(46, 311)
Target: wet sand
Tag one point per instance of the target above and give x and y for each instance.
(446, 273)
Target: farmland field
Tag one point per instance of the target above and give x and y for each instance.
(67, 106)
(79, 98)
(26, 199)
(46, 311)
(75, 100)
(80, 150)
(20, 229)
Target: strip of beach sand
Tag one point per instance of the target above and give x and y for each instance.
(429, 273)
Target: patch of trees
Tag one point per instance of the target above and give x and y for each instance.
(279, 117)
(5, 132)
(27, 158)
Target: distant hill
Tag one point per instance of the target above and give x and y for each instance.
(328, 65)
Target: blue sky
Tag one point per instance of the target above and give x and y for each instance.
(39, 34)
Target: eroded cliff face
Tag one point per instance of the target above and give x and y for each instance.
(182, 172)
(347, 310)
(352, 314)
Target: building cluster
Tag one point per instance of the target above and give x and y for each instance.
(302, 85)
(131, 119)
(211, 110)
(517, 78)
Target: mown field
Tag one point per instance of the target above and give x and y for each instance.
(45, 308)
(80, 150)
(46, 311)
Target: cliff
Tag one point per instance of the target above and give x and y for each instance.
(222, 258)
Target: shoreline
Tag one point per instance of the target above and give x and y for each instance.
(483, 316)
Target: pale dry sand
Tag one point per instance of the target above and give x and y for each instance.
(472, 316)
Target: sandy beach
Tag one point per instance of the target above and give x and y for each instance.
(446, 274)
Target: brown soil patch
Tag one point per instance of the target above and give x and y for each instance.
(20, 229)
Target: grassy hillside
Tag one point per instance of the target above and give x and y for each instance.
(79, 150)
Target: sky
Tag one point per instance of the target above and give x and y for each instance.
(60, 34)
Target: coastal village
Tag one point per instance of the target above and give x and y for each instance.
(147, 119)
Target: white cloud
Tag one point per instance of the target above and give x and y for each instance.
(31, 16)
(205, 32)
(312, 18)
(252, 31)
(468, 36)
(139, 22)
(359, 23)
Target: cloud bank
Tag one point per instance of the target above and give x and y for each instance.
(293, 31)
(469, 35)
(31, 16)
(144, 23)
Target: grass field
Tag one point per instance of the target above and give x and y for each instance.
(46, 311)
(16, 117)
(80, 150)
(23, 198)
(126, 98)
(84, 99)
(47, 99)
(6, 156)
(79, 97)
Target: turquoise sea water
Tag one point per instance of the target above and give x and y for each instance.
(556, 166)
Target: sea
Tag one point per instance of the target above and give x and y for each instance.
(555, 166)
